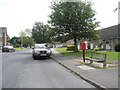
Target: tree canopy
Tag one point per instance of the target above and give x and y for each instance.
(72, 20)
(15, 41)
(39, 33)
(26, 38)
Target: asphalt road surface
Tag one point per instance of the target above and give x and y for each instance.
(19, 70)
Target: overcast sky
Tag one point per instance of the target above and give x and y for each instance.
(17, 15)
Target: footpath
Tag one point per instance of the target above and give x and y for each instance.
(101, 78)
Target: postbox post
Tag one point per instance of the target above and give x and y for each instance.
(83, 55)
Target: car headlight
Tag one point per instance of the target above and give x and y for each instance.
(36, 51)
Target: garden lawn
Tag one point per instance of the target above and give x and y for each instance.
(110, 55)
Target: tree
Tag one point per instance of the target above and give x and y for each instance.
(15, 41)
(72, 20)
(28, 41)
(26, 38)
(22, 35)
(39, 33)
(28, 32)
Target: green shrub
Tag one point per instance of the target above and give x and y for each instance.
(96, 49)
(17, 45)
(70, 47)
(99, 49)
(117, 47)
(64, 46)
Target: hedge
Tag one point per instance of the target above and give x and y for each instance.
(70, 47)
(117, 47)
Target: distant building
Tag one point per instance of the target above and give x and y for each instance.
(3, 36)
(108, 38)
(69, 42)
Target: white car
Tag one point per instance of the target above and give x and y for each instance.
(8, 49)
(41, 50)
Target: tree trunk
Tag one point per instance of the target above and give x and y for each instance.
(75, 43)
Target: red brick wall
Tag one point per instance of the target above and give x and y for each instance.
(4, 39)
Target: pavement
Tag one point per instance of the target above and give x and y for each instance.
(101, 78)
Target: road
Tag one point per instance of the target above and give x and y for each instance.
(19, 70)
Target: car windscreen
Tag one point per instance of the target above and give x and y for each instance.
(40, 46)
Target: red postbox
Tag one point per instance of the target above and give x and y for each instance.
(82, 46)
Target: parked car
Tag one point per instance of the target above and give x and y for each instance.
(41, 50)
(8, 49)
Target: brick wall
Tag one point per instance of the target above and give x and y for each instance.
(3, 36)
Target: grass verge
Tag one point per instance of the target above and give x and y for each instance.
(18, 48)
(110, 55)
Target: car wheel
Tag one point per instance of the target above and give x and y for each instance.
(34, 57)
(49, 57)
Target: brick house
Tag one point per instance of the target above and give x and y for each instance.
(3, 36)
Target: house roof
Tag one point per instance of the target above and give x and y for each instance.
(110, 32)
